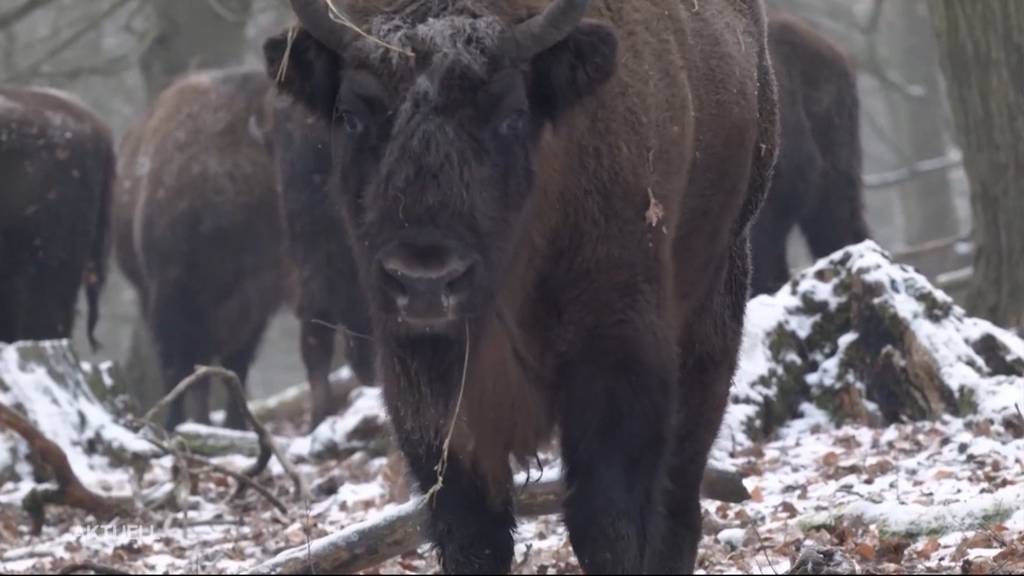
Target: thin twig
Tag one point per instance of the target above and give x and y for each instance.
(226, 13)
(241, 478)
(442, 465)
(28, 71)
(21, 12)
(341, 18)
(268, 446)
(282, 69)
(760, 541)
(342, 328)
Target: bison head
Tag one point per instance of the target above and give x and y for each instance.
(436, 114)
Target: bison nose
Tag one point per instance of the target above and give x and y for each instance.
(427, 281)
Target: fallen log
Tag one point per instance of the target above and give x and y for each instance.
(293, 403)
(400, 531)
(213, 441)
(70, 491)
(404, 529)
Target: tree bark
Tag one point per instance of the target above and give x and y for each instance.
(928, 207)
(982, 48)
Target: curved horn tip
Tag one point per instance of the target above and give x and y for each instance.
(315, 17)
(549, 27)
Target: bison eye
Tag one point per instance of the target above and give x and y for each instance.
(513, 125)
(351, 122)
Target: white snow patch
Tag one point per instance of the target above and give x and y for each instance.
(732, 537)
(60, 404)
(336, 434)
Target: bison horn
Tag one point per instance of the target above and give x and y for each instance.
(548, 28)
(315, 17)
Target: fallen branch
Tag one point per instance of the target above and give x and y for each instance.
(12, 17)
(899, 176)
(293, 402)
(213, 441)
(268, 446)
(401, 531)
(70, 491)
(242, 479)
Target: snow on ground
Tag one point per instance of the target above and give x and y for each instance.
(58, 399)
(940, 496)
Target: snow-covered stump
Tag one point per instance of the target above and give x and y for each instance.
(866, 340)
(58, 394)
(51, 424)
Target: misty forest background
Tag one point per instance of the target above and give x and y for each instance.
(118, 55)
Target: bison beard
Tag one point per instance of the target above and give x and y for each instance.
(817, 183)
(57, 165)
(495, 189)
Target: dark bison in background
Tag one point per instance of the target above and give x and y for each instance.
(550, 217)
(328, 296)
(56, 173)
(197, 228)
(214, 184)
(817, 182)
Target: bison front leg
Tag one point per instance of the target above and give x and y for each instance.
(615, 422)
(469, 525)
(317, 344)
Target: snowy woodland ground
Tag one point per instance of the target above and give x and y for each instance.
(878, 428)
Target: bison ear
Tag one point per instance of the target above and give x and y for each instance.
(573, 69)
(304, 69)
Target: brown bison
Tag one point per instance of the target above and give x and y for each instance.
(197, 228)
(328, 295)
(550, 217)
(817, 183)
(57, 170)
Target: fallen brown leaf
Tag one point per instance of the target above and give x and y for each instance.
(928, 549)
(865, 552)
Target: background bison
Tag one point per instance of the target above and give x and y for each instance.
(817, 183)
(56, 173)
(328, 295)
(197, 227)
(215, 184)
(548, 239)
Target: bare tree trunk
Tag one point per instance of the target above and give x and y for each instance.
(193, 34)
(915, 107)
(982, 46)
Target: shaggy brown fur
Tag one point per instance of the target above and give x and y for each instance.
(592, 205)
(817, 184)
(56, 175)
(197, 227)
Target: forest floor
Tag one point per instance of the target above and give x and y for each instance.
(936, 497)
(883, 492)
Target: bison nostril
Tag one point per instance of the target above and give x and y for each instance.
(461, 281)
(392, 280)
(426, 280)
